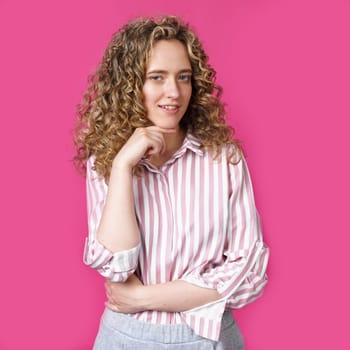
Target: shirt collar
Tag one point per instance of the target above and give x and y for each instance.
(190, 143)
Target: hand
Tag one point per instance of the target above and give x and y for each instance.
(125, 297)
(143, 142)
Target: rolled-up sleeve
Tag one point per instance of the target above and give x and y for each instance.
(115, 266)
(241, 277)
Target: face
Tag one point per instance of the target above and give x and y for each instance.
(167, 88)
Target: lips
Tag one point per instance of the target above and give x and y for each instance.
(170, 107)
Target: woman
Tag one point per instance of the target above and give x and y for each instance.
(172, 221)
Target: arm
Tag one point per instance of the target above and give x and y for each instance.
(175, 296)
(118, 228)
(178, 296)
(110, 263)
(241, 277)
(113, 244)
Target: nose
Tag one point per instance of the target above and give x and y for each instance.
(172, 88)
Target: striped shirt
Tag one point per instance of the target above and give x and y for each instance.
(198, 223)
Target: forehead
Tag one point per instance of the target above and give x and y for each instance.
(168, 53)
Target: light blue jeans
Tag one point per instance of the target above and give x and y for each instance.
(118, 331)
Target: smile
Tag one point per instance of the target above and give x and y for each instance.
(169, 107)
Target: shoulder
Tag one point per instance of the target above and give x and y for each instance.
(228, 153)
(90, 166)
(91, 173)
(90, 162)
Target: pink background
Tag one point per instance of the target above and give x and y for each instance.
(284, 66)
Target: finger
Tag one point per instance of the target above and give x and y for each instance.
(109, 296)
(108, 288)
(155, 136)
(151, 138)
(155, 150)
(158, 136)
(111, 306)
(157, 145)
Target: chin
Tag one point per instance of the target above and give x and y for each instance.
(167, 125)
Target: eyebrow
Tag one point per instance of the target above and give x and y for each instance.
(159, 71)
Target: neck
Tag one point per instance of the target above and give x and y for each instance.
(173, 142)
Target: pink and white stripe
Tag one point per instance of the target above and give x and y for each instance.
(198, 223)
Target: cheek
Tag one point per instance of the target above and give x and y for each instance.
(149, 94)
(188, 93)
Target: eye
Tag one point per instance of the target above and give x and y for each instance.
(156, 77)
(185, 77)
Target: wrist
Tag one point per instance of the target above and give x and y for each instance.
(143, 296)
(120, 166)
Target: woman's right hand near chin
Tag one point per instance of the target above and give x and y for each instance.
(143, 142)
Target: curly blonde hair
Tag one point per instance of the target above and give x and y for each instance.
(112, 107)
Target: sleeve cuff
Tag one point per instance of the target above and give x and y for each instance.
(206, 319)
(125, 260)
(114, 266)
